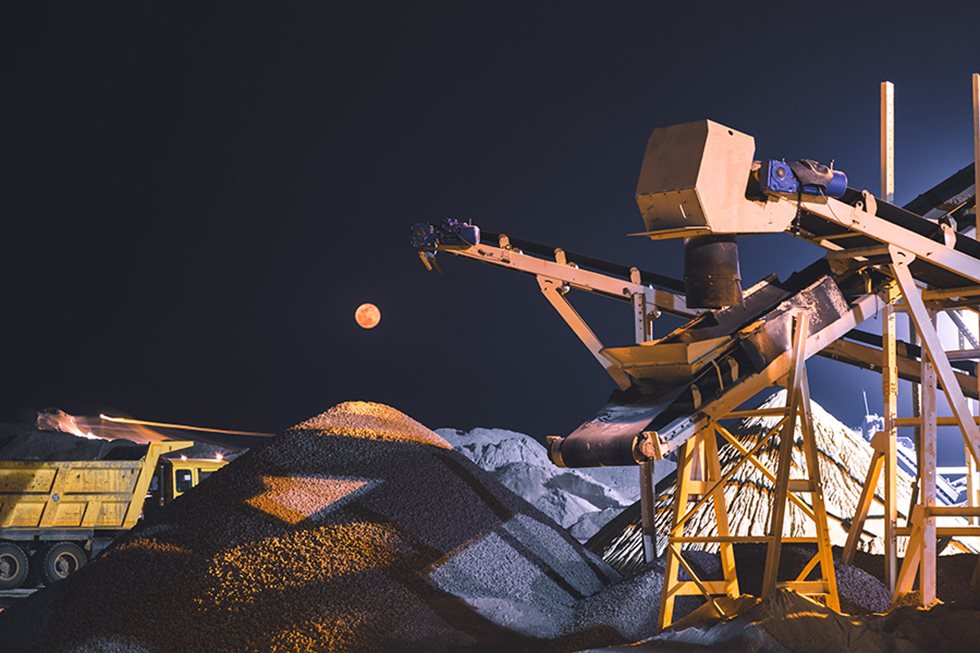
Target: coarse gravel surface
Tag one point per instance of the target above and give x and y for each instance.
(359, 529)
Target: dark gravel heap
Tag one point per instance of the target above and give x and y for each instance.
(357, 530)
(859, 591)
(788, 622)
(27, 443)
(24, 442)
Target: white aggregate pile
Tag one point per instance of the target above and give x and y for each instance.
(580, 500)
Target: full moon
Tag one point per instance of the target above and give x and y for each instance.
(367, 316)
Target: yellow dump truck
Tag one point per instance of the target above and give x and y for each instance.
(55, 516)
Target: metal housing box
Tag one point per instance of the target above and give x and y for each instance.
(694, 177)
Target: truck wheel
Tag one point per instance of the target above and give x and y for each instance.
(59, 561)
(13, 566)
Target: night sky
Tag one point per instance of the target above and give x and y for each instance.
(196, 197)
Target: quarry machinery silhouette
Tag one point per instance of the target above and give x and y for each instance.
(701, 182)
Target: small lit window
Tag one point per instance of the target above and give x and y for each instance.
(185, 480)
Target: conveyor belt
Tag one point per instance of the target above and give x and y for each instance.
(613, 436)
(923, 270)
(719, 359)
(651, 278)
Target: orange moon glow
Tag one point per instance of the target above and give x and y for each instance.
(367, 316)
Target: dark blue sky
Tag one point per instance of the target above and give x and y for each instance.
(198, 196)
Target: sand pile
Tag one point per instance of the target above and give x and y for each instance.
(357, 529)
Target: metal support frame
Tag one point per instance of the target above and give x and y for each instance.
(577, 278)
(798, 408)
(700, 480)
(554, 293)
(933, 349)
(885, 446)
(889, 391)
(922, 528)
(556, 278)
(862, 219)
(861, 309)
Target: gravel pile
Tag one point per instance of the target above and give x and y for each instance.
(784, 621)
(580, 500)
(359, 529)
(27, 443)
(23, 442)
(953, 574)
(788, 622)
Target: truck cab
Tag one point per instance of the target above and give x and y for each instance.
(175, 476)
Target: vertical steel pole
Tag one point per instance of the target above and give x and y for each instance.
(976, 131)
(888, 142)
(971, 463)
(648, 500)
(927, 480)
(889, 363)
(889, 388)
(648, 512)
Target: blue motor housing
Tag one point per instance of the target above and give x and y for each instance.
(448, 234)
(779, 178)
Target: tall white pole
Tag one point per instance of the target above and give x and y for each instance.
(888, 141)
(889, 367)
(976, 131)
(971, 464)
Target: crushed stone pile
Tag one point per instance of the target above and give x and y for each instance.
(844, 458)
(26, 443)
(788, 622)
(23, 442)
(580, 500)
(359, 529)
(859, 591)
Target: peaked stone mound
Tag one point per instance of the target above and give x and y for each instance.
(844, 458)
(359, 529)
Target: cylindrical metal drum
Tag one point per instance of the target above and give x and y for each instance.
(711, 275)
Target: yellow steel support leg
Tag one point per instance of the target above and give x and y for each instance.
(699, 479)
(726, 550)
(905, 582)
(867, 496)
(785, 460)
(889, 392)
(927, 480)
(672, 584)
(824, 551)
(798, 405)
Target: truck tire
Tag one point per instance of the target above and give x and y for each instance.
(13, 566)
(59, 561)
